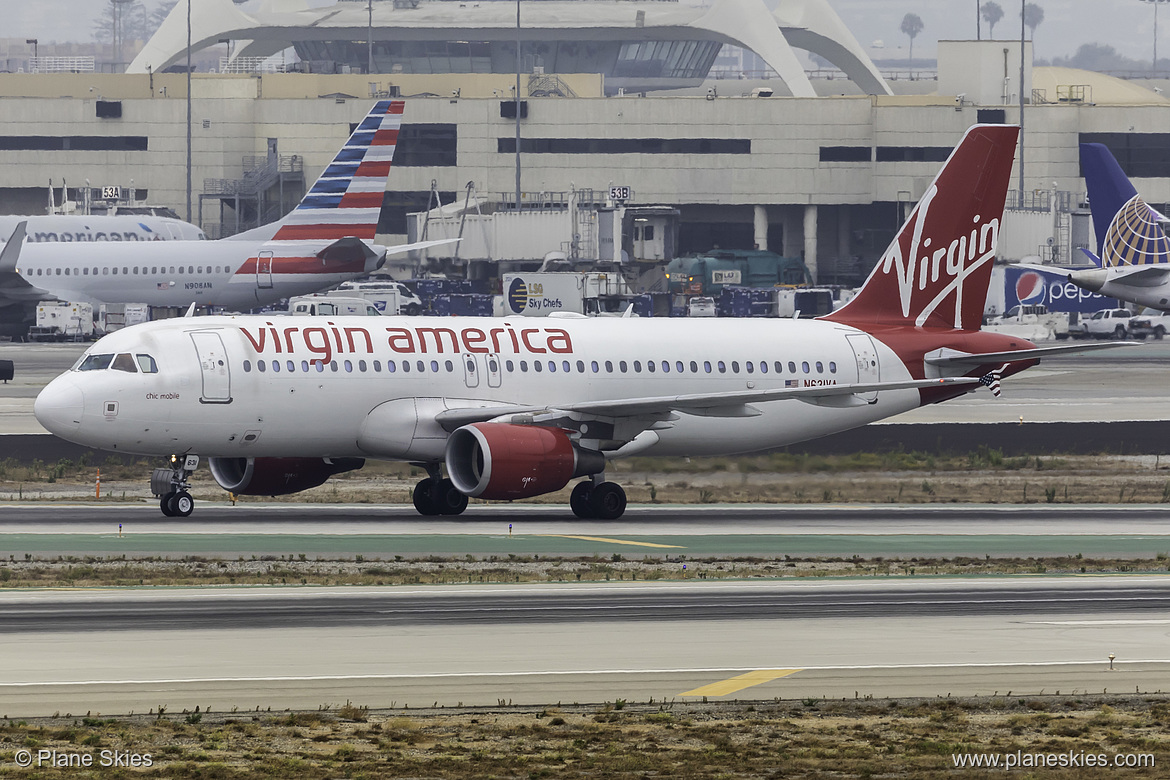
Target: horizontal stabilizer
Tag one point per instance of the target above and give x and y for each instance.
(400, 248)
(346, 250)
(952, 358)
(1140, 275)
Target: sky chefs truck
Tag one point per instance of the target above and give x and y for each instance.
(539, 294)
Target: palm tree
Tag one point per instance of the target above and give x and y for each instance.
(1033, 15)
(912, 25)
(991, 13)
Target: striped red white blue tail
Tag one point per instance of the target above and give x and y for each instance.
(346, 200)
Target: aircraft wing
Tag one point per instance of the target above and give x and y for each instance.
(14, 288)
(950, 357)
(727, 404)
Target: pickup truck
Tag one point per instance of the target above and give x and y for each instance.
(1105, 324)
(1031, 321)
(1152, 323)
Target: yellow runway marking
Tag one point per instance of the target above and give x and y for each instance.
(614, 541)
(724, 687)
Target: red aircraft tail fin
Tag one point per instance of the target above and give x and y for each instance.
(936, 271)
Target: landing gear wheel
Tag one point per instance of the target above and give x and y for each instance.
(579, 500)
(449, 501)
(181, 504)
(424, 498)
(608, 501)
(172, 485)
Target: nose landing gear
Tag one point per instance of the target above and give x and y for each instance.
(172, 486)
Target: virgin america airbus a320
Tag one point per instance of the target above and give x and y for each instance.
(514, 408)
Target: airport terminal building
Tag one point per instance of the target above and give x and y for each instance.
(824, 176)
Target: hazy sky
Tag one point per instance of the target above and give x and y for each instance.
(1127, 25)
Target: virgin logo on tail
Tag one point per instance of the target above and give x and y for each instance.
(940, 272)
(936, 271)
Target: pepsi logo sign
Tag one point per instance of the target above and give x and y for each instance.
(1030, 288)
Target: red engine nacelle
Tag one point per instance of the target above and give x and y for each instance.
(277, 476)
(504, 461)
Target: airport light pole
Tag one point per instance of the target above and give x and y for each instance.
(517, 106)
(1155, 3)
(188, 110)
(1020, 205)
(370, 37)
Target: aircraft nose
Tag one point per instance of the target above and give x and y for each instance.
(59, 406)
(1092, 280)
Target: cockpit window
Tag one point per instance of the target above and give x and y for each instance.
(95, 363)
(147, 364)
(125, 362)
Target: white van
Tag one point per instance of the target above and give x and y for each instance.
(332, 306)
(390, 297)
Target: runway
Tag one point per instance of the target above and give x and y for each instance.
(113, 652)
(116, 651)
(345, 531)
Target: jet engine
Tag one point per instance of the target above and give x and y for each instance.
(277, 476)
(503, 461)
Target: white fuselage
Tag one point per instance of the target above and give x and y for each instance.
(87, 228)
(327, 388)
(171, 273)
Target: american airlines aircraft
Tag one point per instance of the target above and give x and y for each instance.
(81, 228)
(324, 241)
(516, 408)
(1133, 252)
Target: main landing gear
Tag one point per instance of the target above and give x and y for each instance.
(172, 486)
(598, 500)
(436, 495)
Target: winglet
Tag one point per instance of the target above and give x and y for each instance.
(11, 252)
(190, 310)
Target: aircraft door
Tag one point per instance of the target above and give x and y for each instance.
(470, 370)
(264, 269)
(867, 361)
(213, 363)
(494, 374)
